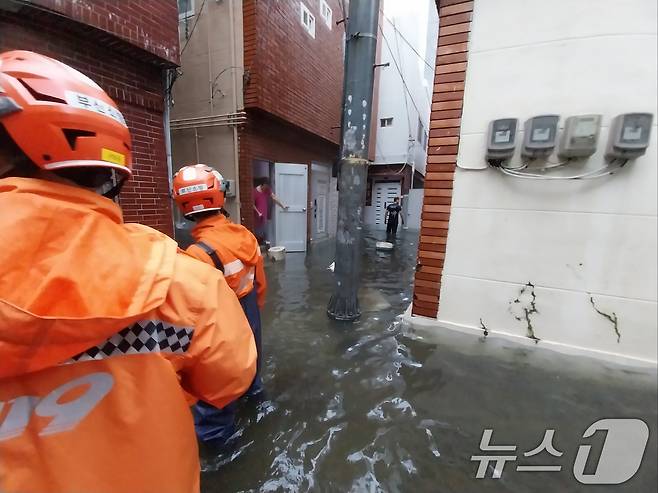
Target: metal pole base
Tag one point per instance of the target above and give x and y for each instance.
(344, 304)
(343, 308)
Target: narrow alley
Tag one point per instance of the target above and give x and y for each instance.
(328, 246)
(375, 407)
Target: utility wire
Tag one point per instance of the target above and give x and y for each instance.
(404, 83)
(214, 81)
(406, 104)
(176, 73)
(196, 21)
(395, 62)
(410, 139)
(407, 41)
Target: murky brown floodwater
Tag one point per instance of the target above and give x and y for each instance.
(372, 407)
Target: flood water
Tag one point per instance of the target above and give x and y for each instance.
(373, 406)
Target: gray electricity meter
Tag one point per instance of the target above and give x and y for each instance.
(501, 140)
(539, 136)
(580, 136)
(629, 135)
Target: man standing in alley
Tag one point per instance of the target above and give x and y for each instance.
(262, 195)
(106, 328)
(393, 212)
(200, 193)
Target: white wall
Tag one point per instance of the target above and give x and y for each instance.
(413, 206)
(582, 244)
(412, 22)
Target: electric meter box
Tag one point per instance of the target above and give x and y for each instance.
(501, 140)
(580, 136)
(539, 136)
(629, 135)
(230, 188)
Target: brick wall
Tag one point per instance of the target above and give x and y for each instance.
(273, 140)
(137, 88)
(445, 120)
(290, 74)
(148, 24)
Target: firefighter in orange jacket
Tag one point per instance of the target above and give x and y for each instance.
(200, 192)
(104, 326)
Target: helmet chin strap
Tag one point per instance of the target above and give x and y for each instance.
(112, 187)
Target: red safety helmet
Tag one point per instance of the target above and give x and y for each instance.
(199, 188)
(59, 117)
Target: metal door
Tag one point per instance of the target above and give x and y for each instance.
(383, 196)
(319, 196)
(291, 183)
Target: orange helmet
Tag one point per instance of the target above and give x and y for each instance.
(59, 117)
(199, 188)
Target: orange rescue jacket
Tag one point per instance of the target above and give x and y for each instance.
(103, 328)
(238, 251)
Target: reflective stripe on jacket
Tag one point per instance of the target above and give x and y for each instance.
(238, 250)
(105, 330)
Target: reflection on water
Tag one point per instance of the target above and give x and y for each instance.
(370, 406)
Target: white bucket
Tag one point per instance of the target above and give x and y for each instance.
(277, 253)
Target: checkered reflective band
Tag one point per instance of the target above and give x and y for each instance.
(145, 336)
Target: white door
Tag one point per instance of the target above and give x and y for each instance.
(383, 196)
(290, 186)
(319, 197)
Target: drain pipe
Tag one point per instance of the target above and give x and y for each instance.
(168, 77)
(196, 143)
(236, 156)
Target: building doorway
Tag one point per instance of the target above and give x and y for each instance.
(382, 196)
(291, 186)
(320, 179)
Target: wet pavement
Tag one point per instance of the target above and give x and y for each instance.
(374, 406)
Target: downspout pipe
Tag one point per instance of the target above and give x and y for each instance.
(236, 157)
(166, 114)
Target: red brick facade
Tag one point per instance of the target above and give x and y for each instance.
(293, 89)
(131, 75)
(269, 139)
(290, 74)
(445, 121)
(148, 24)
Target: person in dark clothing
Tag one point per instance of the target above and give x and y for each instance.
(392, 215)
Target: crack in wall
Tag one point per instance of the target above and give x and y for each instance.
(528, 310)
(484, 328)
(614, 320)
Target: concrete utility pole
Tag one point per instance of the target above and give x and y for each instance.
(353, 168)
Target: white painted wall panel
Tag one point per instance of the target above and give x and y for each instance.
(405, 86)
(564, 317)
(531, 57)
(522, 22)
(606, 254)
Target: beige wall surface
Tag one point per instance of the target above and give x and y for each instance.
(210, 84)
